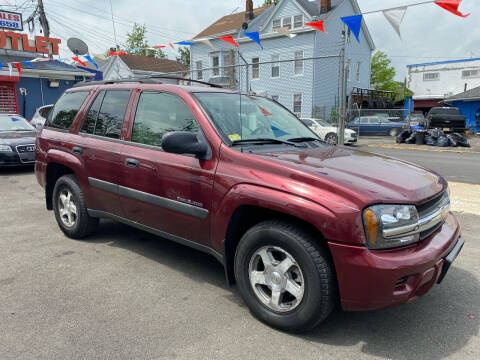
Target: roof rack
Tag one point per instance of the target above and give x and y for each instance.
(150, 79)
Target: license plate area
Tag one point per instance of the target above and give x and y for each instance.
(450, 259)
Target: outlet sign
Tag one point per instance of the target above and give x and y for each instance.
(17, 41)
(11, 20)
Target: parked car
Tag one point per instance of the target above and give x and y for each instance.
(416, 118)
(449, 119)
(40, 116)
(329, 132)
(298, 224)
(375, 125)
(17, 141)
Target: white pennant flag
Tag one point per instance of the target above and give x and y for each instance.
(208, 42)
(395, 17)
(285, 31)
(10, 68)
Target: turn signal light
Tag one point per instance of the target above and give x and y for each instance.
(371, 225)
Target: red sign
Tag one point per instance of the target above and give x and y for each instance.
(42, 43)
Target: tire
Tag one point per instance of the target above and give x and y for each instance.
(331, 138)
(311, 271)
(70, 209)
(393, 132)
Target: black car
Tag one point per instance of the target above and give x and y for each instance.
(449, 119)
(17, 141)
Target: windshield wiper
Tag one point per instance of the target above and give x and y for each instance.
(264, 141)
(304, 139)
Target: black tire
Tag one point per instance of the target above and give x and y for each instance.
(320, 285)
(84, 225)
(393, 132)
(331, 138)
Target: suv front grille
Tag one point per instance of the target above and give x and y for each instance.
(430, 207)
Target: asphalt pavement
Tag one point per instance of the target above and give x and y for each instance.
(125, 294)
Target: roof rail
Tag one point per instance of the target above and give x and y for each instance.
(183, 79)
(149, 79)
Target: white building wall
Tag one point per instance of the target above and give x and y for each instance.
(449, 81)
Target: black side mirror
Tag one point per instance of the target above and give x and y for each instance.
(184, 142)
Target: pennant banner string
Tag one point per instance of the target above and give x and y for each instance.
(395, 18)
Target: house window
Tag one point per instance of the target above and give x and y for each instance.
(277, 23)
(275, 66)
(431, 76)
(287, 22)
(298, 62)
(216, 66)
(275, 98)
(358, 71)
(226, 63)
(255, 68)
(347, 70)
(297, 104)
(199, 70)
(349, 35)
(470, 73)
(297, 21)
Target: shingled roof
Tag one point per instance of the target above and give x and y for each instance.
(470, 95)
(137, 62)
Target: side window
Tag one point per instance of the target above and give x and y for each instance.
(88, 126)
(65, 110)
(110, 118)
(158, 114)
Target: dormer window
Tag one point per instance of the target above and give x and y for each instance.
(277, 23)
(287, 22)
(297, 21)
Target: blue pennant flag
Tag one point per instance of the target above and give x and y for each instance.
(1, 65)
(354, 23)
(29, 64)
(255, 36)
(91, 60)
(186, 43)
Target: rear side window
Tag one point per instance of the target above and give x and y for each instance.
(159, 113)
(65, 110)
(105, 117)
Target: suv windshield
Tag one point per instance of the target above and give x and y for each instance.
(246, 117)
(14, 123)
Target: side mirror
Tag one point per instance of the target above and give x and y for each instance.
(184, 142)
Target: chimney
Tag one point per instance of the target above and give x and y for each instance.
(249, 10)
(325, 6)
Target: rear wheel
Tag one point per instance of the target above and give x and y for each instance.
(284, 276)
(70, 209)
(331, 138)
(393, 132)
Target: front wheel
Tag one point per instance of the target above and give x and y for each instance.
(331, 139)
(284, 276)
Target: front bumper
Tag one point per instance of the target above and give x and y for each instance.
(12, 159)
(371, 280)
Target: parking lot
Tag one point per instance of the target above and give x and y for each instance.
(125, 294)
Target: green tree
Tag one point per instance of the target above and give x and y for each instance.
(270, 2)
(137, 43)
(184, 56)
(383, 73)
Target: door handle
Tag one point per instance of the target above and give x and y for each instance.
(77, 150)
(133, 163)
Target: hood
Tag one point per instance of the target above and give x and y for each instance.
(15, 138)
(367, 176)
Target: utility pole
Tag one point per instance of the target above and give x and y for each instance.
(113, 23)
(342, 94)
(43, 19)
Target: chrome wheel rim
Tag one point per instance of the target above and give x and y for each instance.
(276, 279)
(331, 139)
(67, 208)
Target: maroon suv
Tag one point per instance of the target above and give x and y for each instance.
(298, 224)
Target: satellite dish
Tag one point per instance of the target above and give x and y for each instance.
(77, 46)
(245, 26)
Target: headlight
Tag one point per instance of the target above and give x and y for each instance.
(386, 226)
(5, 148)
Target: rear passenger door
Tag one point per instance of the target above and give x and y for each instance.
(168, 192)
(98, 145)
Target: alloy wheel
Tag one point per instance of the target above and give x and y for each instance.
(67, 208)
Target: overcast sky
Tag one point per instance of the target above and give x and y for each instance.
(429, 32)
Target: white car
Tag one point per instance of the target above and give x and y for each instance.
(329, 132)
(40, 116)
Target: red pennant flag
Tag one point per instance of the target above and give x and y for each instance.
(159, 46)
(317, 25)
(171, 45)
(79, 61)
(452, 6)
(115, 53)
(17, 65)
(229, 39)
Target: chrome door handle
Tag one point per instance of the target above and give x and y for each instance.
(133, 163)
(77, 150)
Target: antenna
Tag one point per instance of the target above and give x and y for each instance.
(77, 46)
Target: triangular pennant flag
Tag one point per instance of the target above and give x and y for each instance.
(354, 23)
(159, 46)
(317, 25)
(116, 53)
(91, 60)
(395, 17)
(208, 42)
(229, 39)
(452, 6)
(185, 43)
(79, 61)
(29, 64)
(10, 68)
(1, 65)
(17, 65)
(171, 45)
(285, 31)
(255, 36)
